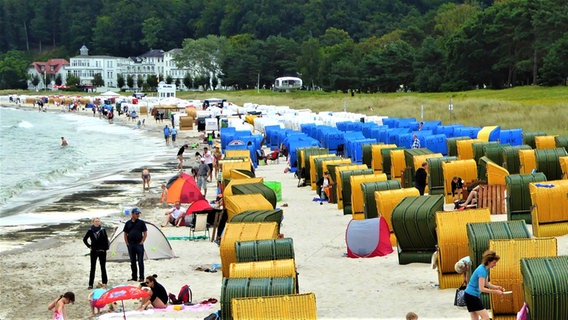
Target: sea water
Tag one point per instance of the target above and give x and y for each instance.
(36, 170)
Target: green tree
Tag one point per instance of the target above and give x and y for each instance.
(13, 65)
(152, 81)
(130, 81)
(152, 28)
(139, 82)
(177, 83)
(428, 67)
(203, 56)
(169, 79)
(35, 80)
(58, 79)
(554, 69)
(98, 80)
(187, 81)
(72, 80)
(391, 67)
(309, 59)
(120, 81)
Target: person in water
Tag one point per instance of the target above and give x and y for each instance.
(63, 142)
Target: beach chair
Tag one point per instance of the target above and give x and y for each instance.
(199, 224)
(273, 156)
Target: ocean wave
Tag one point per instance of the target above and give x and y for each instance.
(25, 124)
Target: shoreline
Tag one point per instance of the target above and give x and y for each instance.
(124, 184)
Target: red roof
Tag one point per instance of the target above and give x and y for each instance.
(52, 66)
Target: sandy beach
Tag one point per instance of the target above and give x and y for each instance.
(376, 288)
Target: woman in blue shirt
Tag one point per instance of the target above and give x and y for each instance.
(479, 283)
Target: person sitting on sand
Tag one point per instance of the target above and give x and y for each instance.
(159, 297)
(174, 215)
(63, 142)
(145, 179)
(58, 305)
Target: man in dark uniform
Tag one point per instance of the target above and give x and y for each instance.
(135, 233)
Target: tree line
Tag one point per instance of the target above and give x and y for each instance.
(367, 45)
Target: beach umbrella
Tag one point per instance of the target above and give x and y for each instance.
(122, 293)
(182, 188)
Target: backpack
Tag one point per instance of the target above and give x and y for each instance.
(184, 296)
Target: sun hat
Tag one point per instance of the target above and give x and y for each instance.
(136, 210)
(460, 266)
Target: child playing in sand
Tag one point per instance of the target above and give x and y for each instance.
(58, 305)
(94, 297)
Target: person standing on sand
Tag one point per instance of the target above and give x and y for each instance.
(58, 305)
(99, 245)
(167, 133)
(145, 175)
(135, 233)
(202, 174)
(208, 161)
(420, 178)
(164, 197)
(174, 135)
(180, 156)
(478, 282)
(63, 142)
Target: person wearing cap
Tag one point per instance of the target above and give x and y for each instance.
(135, 233)
(202, 174)
(462, 266)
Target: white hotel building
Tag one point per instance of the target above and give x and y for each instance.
(153, 62)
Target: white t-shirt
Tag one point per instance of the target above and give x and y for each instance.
(176, 213)
(208, 157)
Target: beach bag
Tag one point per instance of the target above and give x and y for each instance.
(523, 313)
(184, 296)
(459, 300)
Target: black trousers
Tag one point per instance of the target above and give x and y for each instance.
(101, 255)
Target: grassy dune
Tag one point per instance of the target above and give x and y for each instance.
(531, 108)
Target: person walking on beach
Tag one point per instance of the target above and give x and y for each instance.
(217, 156)
(58, 305)
(202, 174)
(63, 142)
(208, 161)
(420, 178)
(135, 233)
(145, 175)
(99, 245)
(478, 282)
(180, 156)
(174, 135)
(167, 133)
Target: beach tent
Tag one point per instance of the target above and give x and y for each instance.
(368, 238)
(110, 94)
(156, 245)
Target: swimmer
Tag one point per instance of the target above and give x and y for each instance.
(63, 142)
